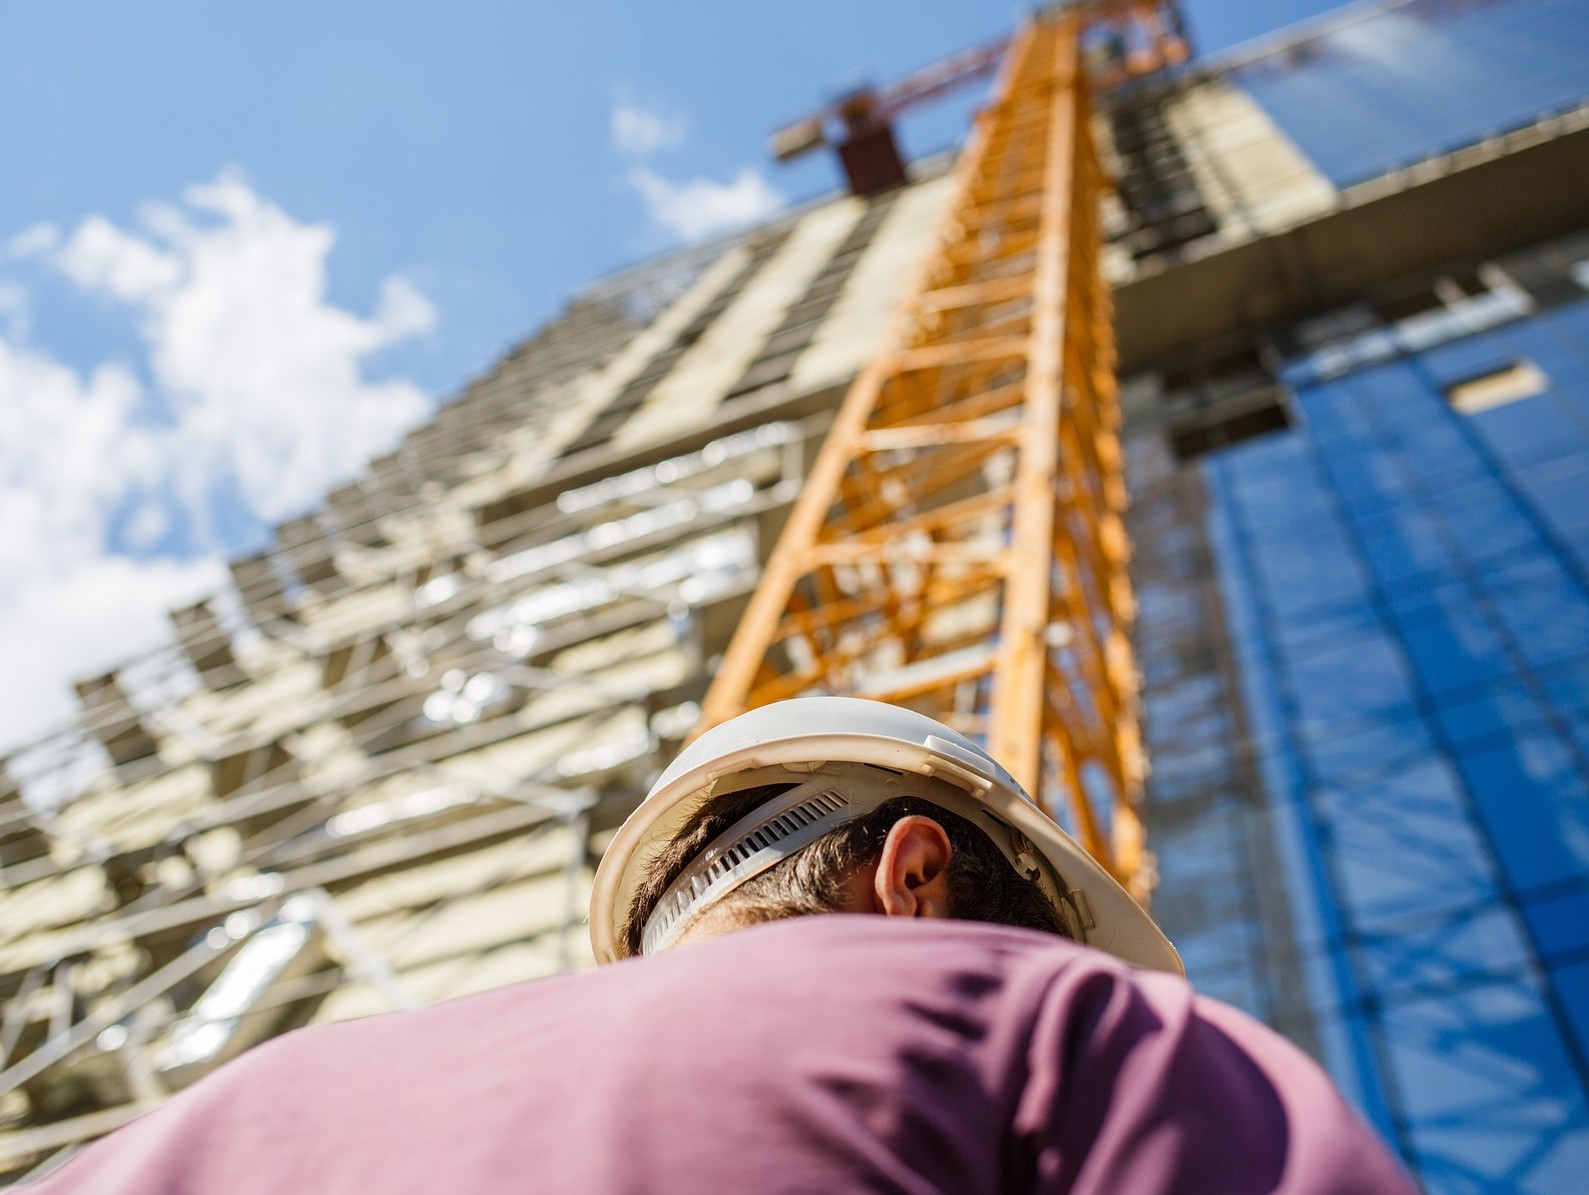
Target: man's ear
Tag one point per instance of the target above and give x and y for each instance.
(912, 876)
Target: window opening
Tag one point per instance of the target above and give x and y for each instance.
(1258, 414)
(1493, 388)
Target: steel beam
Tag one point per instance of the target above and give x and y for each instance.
(959, 544)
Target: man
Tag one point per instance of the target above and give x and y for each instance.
(971, 1034)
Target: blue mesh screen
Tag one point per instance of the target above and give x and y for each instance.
(1408, 587)
(1422, 78)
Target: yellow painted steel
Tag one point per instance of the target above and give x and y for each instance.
(959, 546)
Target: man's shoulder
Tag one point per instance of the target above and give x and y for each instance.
(834, 960)
(850, 931)
(857, 945)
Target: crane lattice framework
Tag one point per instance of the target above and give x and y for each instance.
(959, 546)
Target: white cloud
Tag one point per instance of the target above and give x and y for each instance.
(640, 132)
(34, 240)
(697, 207)
(102, 257)
(254, 386)
(700, 207)
(264, 375)
(16, 309)
(403, 310)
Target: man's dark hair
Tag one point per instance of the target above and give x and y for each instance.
(982, 884)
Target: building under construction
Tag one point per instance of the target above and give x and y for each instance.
(1349, 277)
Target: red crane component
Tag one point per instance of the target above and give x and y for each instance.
(1123, 39)
(860, 124)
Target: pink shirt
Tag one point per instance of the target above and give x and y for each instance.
(820, 1054)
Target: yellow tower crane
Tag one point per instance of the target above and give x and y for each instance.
(959, 546)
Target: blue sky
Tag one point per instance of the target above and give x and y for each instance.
(465, 144)
(244, 246)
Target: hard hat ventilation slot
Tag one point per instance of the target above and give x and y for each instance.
(779, 829)
(774, 835)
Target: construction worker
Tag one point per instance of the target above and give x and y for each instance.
(1007, 1019)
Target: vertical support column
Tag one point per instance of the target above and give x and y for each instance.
(958, 547)
(1015, 736)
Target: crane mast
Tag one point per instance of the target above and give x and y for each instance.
(959, 545)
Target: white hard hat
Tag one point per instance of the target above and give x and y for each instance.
(812, 743)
